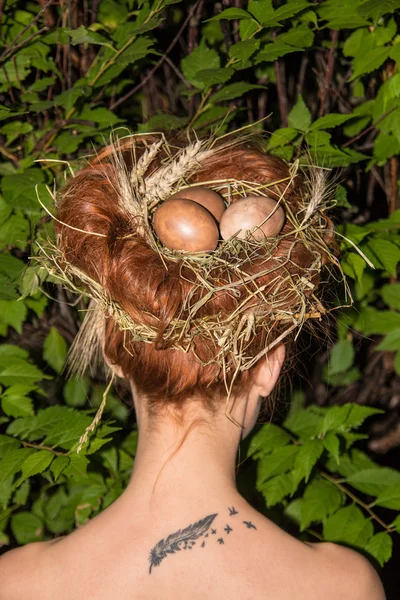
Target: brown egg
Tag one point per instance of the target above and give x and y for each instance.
(182, 224)
(204, 196)
(251, 211)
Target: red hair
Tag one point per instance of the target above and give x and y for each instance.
(152, 291)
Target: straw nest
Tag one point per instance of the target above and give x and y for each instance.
(139, 195)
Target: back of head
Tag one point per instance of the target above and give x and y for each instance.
(178, 324)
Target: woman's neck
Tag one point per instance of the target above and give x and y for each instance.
(184, 464)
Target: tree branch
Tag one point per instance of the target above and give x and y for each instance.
(159, 63)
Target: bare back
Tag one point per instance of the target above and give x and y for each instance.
(229, 552)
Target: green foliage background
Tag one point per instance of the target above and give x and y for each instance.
(324, 79)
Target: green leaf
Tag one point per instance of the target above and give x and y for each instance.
(396, 524)
(321, 499)
(328, 121)
(306, 457)
(349, 526)
(100, 115)
(375, 9)
(76, 468)
(300, 116)
(6, 491)
(373, 321)
(380, 547)
(374, 481)
(243, 50)
(280, 461)
(366, 62)
(358, 414)
(273, 51)
(20, 370)
(263, 11)
(234, 90)
(22, 493)
(27, 527)
(318, 138)
(76, 392)
(29, 282)
(386, 252)
(341, 357)
(42, 84)
(232, 13)
(7, 443)
(19, 190)
(390, 497)
(248, 28)
(58, 465)
(267, 440)
(11, 463)
(332, 445)
(112, 13)
(391, 295)
(195, 62)
(162, 122)
(55, 350)
(139, 49)
(282, 136)
(353, 265)
(386, 145)
(299, 37)
(276, 489)
(13, 313)
(82, 35)
(17, 406)
(347, 17)
(210, 77)
(36, 463)
(266, 15)
(291, 8)
(305, 422)
(391, 342)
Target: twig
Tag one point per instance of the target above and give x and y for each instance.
(177, 72)
(9, 155)
(40, 447)
(12, 47)
(370, 127)
(281, 91)
(302, 74)
(105, 67)
(158, 63)
(394, 170)
(23, 43)
(328, 74)
(356, 500)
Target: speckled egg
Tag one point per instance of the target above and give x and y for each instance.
(183, 224)
(251, 211)
(212, 201)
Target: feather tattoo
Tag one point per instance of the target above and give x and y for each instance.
(181, 539)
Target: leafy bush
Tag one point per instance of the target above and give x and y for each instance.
(68, 75)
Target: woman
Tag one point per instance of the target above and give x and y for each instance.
(201, 339)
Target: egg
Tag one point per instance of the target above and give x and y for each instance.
(204, 196)
(246, 213)
(182, 224)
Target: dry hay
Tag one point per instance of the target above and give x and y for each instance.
(139, 195)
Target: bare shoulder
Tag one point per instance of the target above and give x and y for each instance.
(356, 576)
(18, 570)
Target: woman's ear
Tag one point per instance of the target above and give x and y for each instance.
(269, 370)
(114, 368)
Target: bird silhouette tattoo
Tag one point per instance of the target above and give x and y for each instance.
(185, 539)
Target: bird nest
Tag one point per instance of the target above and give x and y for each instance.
(283, 305)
